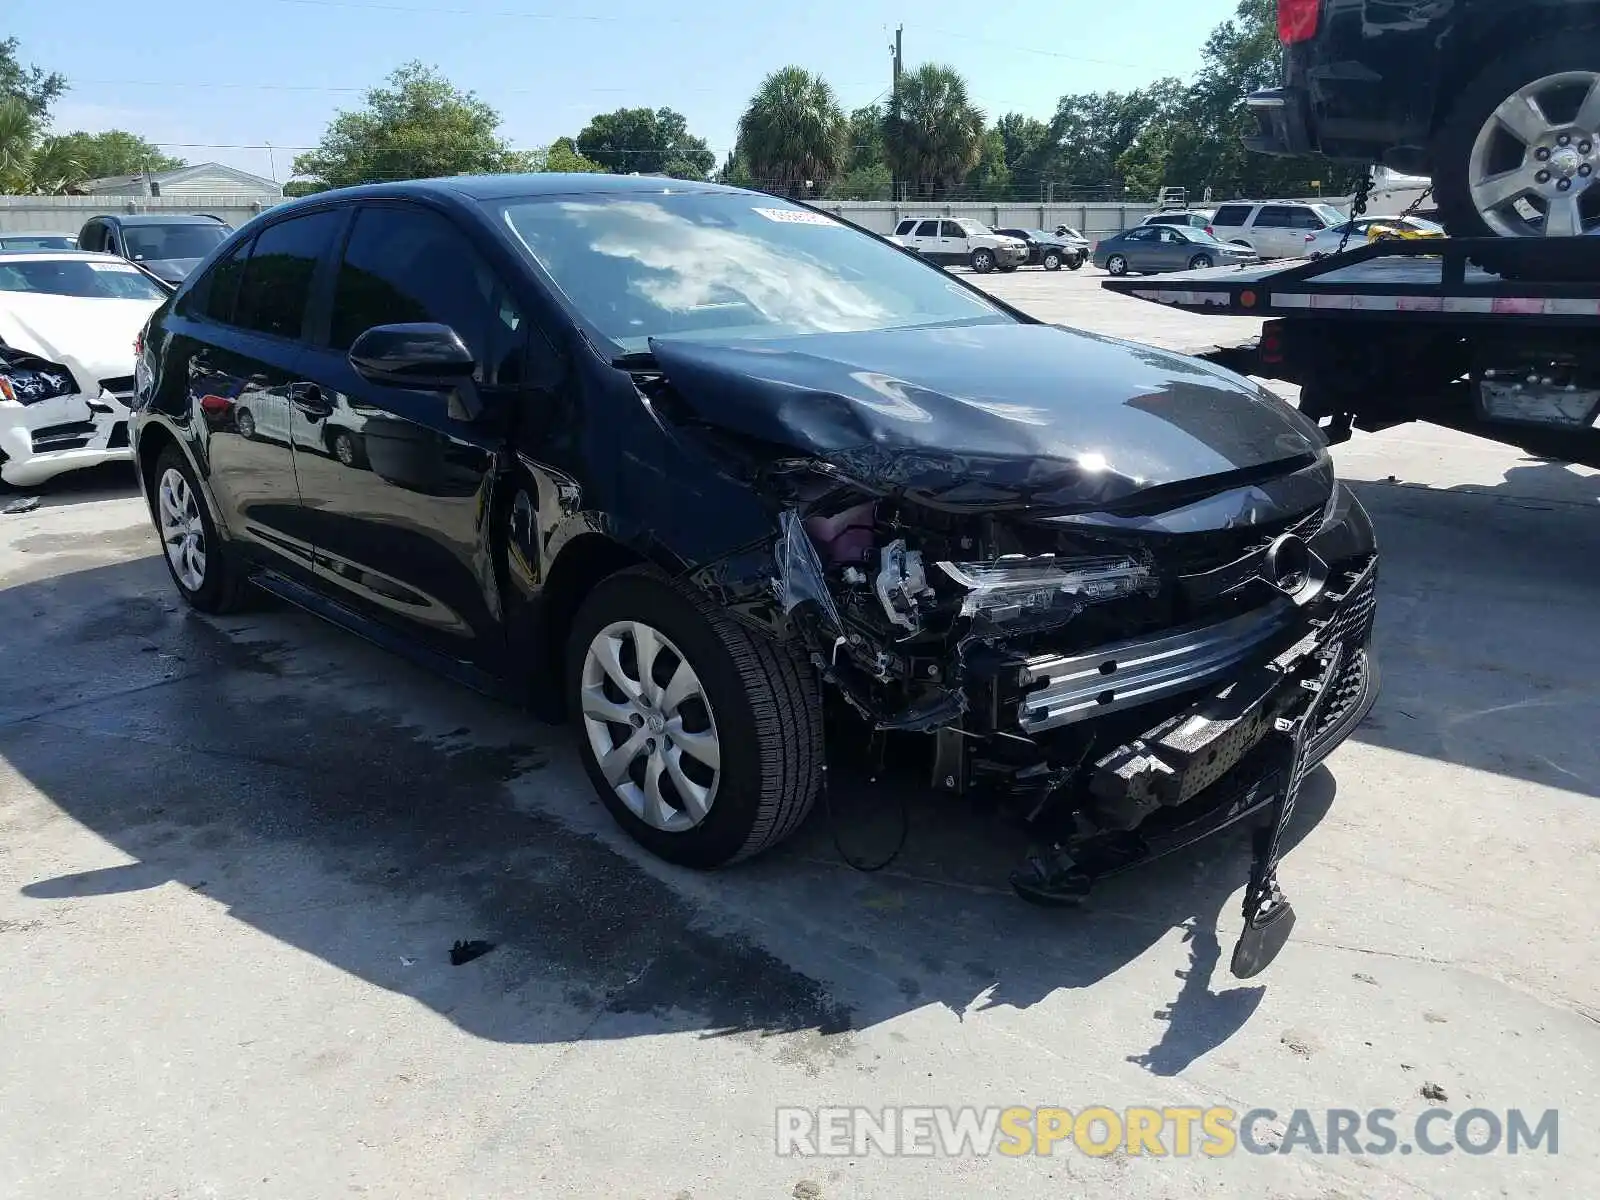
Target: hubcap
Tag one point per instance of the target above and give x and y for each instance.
(1534, 163)
(345, 450)
(182, 531)
(650, 726)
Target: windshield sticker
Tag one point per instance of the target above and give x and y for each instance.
(795, 216)
(118, 268)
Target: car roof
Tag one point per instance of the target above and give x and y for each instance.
(11, 233)
(157, 218)
(544, 183)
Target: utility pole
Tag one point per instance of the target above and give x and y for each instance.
(894, 101)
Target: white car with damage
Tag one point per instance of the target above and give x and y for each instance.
(68, 321)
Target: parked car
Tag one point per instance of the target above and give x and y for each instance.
(1150, 249)
(682, 460)
(1274, 228)
(1073, 237)
(1371, 229)
(1048, 250)
(1498, 103)
(38, 241)
(1185, 220)
(961, 241)
(169, 245)
(67, 326)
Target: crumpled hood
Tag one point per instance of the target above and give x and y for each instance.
(170, 270)
(996, 415)
(91, 337)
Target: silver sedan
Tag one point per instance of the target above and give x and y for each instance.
(1149, 249)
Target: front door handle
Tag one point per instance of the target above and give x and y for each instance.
(308, 398)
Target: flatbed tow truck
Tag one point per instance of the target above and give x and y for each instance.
(1398, 331)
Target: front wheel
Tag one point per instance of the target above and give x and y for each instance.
(347, 448)
(1052, 260)
(200, 563)
(1075, 262)
(1200, 262)
(982, 260)
(703, 738)
(1117, 265)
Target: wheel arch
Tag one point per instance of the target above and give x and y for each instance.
(1489, 31)
(153, 439)
(581, 565)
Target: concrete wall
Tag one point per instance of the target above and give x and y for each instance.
(66, 214)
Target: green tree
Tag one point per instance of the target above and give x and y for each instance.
(31, 164)
(793, 136)
(1090, 132)
(936, 136)
(116, 152)
(35, 87)
(296, 188)
(991, 178)
(647, 140)
(562, 155)
(869, 182)
(417, 127)
(865, 136)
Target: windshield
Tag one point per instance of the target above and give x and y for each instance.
(155, 243)
(1200, 235)
(727, 266)
(40, 241)
(1329, 214)
(974, 228)
(74, 277)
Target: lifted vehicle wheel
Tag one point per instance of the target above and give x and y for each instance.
(200, 563)
(1052, 260)
(703, 739)
(1117, 265)
(1519, 155)
(982, 260)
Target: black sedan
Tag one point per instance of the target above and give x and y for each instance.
(1151, 249)
(1047, 250)
(683, 463)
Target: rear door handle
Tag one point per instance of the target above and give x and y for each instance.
(308, 398)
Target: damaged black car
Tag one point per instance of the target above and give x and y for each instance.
(687, 464)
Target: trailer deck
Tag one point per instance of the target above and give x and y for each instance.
(1399, 331)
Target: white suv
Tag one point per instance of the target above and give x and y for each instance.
(952, 241)
(1274, 228)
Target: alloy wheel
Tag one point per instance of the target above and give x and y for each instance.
(1117, 265)
(344, 449)
(650, 725)
(1533, 165)
(183, 533)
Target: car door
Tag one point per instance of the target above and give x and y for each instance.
(1140, 248)
(926, 240)
(399, 524)
(244, 324)
(1172, 250)
(1273, 231)
(953, 246)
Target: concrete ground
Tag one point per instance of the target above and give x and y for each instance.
(234, 855)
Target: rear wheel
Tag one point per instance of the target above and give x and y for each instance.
(1519, 155)
(244, 422)
(1052, 260)
(704, 739)
(982, 260)
(200, 563)
(1117, 265)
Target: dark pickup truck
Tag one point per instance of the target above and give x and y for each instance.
(1497, 100)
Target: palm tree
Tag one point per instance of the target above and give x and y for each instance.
(18, 127)
(53, 168)
(936, 136)
(794, 132)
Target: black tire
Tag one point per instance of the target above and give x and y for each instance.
(1450, 152)
(1200, 262)
(982, 260)
(347, 447)
(1075, 262)
(245, 423)
(763, 698)
(1051, 260)
(1117, 265)
(222, 589)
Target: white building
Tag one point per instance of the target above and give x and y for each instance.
(202, 179)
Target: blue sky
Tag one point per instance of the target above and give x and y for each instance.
(217, 81)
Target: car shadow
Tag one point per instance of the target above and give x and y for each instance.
(1485, 624)
(108, 481)
(343, 802)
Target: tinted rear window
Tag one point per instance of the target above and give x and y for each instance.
(1231, 214)
(277, 279)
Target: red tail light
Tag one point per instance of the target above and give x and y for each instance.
(1298, 20)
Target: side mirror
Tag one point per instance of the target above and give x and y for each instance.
(425, 356)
